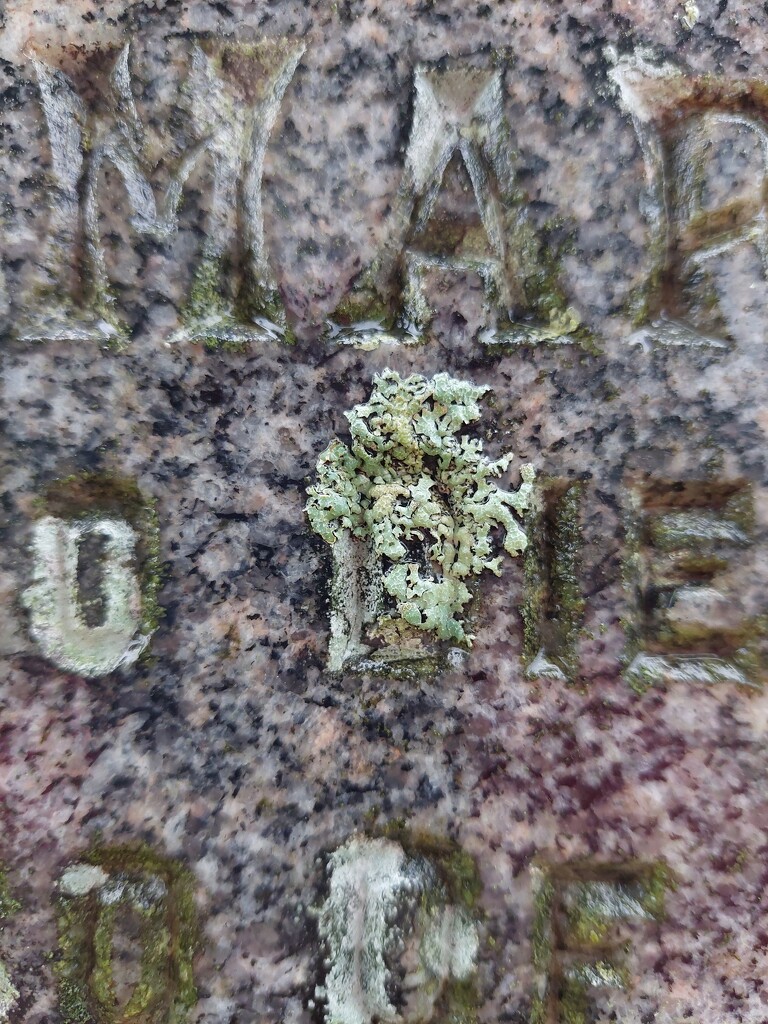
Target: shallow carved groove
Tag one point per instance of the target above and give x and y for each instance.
(228, 105)
(553, 604)
(127, 938)
(690, 543)
(459, 125)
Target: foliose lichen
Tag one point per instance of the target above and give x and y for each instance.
(421, 497)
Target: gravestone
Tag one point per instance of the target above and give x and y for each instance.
(384, 516)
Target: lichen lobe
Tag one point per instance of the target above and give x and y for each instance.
(421, 499)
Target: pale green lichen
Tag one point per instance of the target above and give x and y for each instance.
(113, 509)
(420, 498)
(388, 916)
(91, 897)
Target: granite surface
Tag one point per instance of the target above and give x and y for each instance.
(229, 745)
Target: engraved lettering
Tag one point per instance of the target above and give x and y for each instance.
(231, 136)
(696, 134)
(580, 932)
(692, 546)
(553, 606)
(92, 606)
(128, 935)
(458, 112)
(396, 944)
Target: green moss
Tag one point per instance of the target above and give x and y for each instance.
(205, 299)
(223, 325)
(458, 1003)
(9, 994)
(566, 573)
(739, 508)
(678, 637)
(363, 305)
(161, 892)
(8, 905)
(573, 1003)
(535, 590)
(537, 256)
(456, 868)
(599, 896)
(541, 937)
(390, 290)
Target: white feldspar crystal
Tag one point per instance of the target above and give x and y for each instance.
(56, 619)
(80, 879)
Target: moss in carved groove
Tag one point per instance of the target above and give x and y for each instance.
(553, 607)
(576, 909)
(8, 904)
(9, 994)
(90, 894)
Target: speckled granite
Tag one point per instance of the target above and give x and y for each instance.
(231, 747)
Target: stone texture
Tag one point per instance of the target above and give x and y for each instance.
(231, 747)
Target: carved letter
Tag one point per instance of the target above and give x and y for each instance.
(126, 905)
(56, 615)
(383, 904)
(694, 130)
(690, 550)
(107, 625)
(232, 136)
(576, 948)
(458, 110)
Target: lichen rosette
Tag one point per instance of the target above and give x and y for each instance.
(421, 495)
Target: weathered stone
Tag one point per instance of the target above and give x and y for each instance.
(186, 187)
